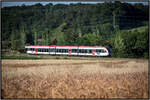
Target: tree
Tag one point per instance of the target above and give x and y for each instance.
(23, 36)
(35, 35)
(107, 30)
(119, 45)
(59, 34)
(12, 40)
(141, 44)
(91, 40)
(47, 37)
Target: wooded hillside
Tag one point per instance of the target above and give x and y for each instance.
(105, 24)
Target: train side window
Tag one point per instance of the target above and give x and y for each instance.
(67, 50)
(98, 51)
(90, 51)
(52, 50)
(56, 50)
(103, 51)
(30, 49)
(74, 50)
(43, 50)
(82, 50)
(79, 50)
(85, 50)
(64, 50)
(60, 50)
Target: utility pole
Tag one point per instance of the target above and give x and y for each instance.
(97, 30)
(35, 36)
(114, 19)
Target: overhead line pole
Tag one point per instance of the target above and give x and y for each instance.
(114, 20)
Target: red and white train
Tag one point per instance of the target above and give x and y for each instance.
(69, 50)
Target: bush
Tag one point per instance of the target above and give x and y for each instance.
(146, 55)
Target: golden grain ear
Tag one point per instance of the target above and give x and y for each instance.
(86, 78)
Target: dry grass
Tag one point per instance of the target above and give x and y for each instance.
(125, 78)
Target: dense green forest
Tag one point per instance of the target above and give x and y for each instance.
(121, 26)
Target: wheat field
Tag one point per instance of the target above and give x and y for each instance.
(51, 78)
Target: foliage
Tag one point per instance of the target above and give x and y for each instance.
(131, 43)
(78, 24)
(91, 40)
(119, 45)
(20, 57)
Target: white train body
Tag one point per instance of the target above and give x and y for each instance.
(69, 50)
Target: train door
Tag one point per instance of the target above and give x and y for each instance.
(35, 50)
(93, 53)
(32, 50)
(69, 51)
(98, 52)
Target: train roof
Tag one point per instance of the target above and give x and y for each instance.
(53, 46)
